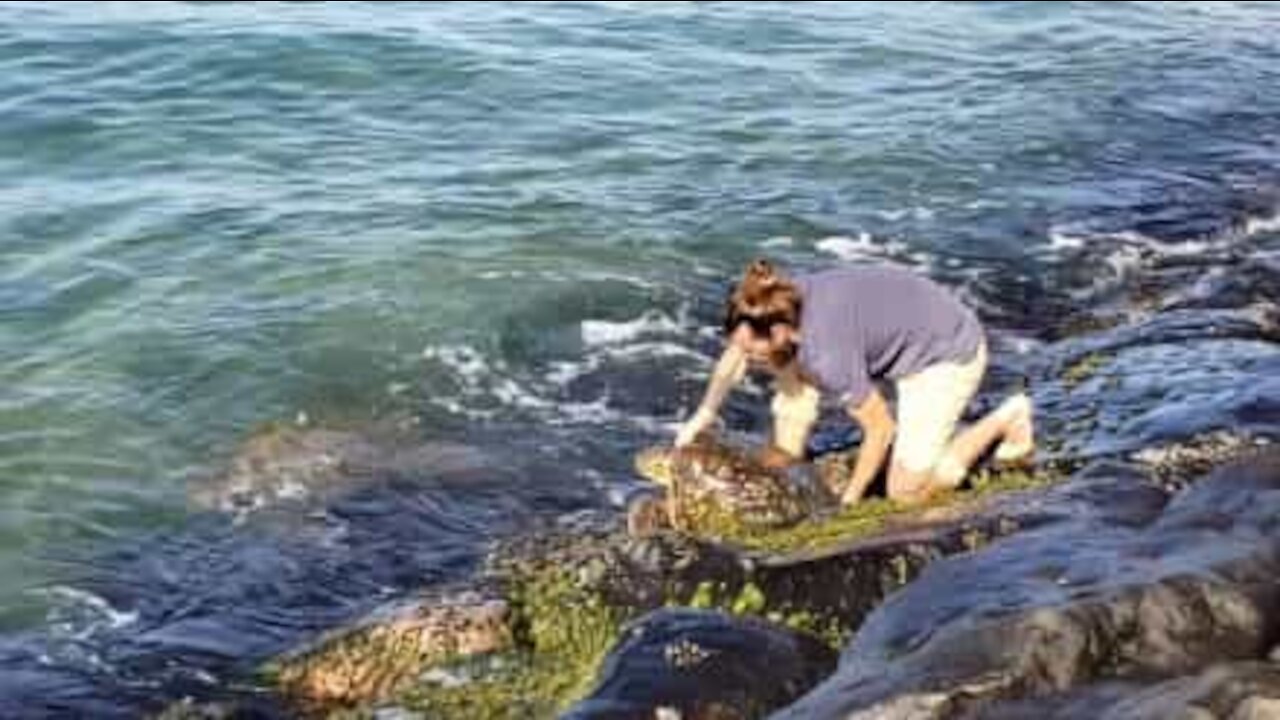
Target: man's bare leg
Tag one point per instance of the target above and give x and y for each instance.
(1010, 424)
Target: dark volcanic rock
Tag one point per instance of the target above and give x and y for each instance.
(702, 664)
(849, 579)
(845, 578)
(1230, 691)
(1073, 603)
(1161, 380)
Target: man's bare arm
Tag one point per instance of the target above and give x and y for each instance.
(878, 428)
(729, 371)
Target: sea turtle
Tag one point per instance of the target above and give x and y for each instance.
(712, 482)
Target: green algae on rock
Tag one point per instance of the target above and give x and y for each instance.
(1082, 369)
(563, 630)
(870, 515)
(570, 595)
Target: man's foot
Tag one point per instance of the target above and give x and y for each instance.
(1019, 443)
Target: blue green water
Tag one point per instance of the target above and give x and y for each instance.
(523, 216)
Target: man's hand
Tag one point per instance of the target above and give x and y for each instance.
(692, 428)
(729, 371)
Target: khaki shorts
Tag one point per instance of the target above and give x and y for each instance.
(930, 404)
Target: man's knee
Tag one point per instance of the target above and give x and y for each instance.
(906, 483)
(948, 472)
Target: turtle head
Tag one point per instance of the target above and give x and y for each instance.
(657, 464)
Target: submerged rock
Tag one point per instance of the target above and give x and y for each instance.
(698, 664)
(1074, 603)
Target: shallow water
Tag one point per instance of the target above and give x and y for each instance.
(511, 227)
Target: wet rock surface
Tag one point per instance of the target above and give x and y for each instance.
(563, 595)
(827, 591)
(1159, 381)
(1227, 691)
(1176, 465)
(704, 664)
(836, 581)
(1075, 603)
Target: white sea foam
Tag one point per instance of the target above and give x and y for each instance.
(594, 412)
(485, 387)
(501, 275)
(469, 364)
(917, 212)
(1259, 225)
(1068, 239)
(513, 394)
(605, 332)
(1061, 239)
(564, 372)
(650, 350)
(596, 276)
(1123, 263)
(861, 248)
(93, 611)
(474, 373)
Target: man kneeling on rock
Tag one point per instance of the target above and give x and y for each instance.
(839, 332)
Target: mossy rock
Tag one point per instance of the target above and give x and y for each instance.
(1083, 369)
(570, 593)
(872, 515)
(563, 630)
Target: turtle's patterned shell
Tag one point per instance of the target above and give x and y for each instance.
(710, 476)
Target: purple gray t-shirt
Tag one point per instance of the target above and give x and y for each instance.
(863, 324)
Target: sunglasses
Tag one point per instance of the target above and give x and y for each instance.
(762, 325)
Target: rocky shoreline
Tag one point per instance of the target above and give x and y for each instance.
(1131, 575)
(1106, 588)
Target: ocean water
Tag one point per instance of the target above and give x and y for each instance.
(512, 226)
